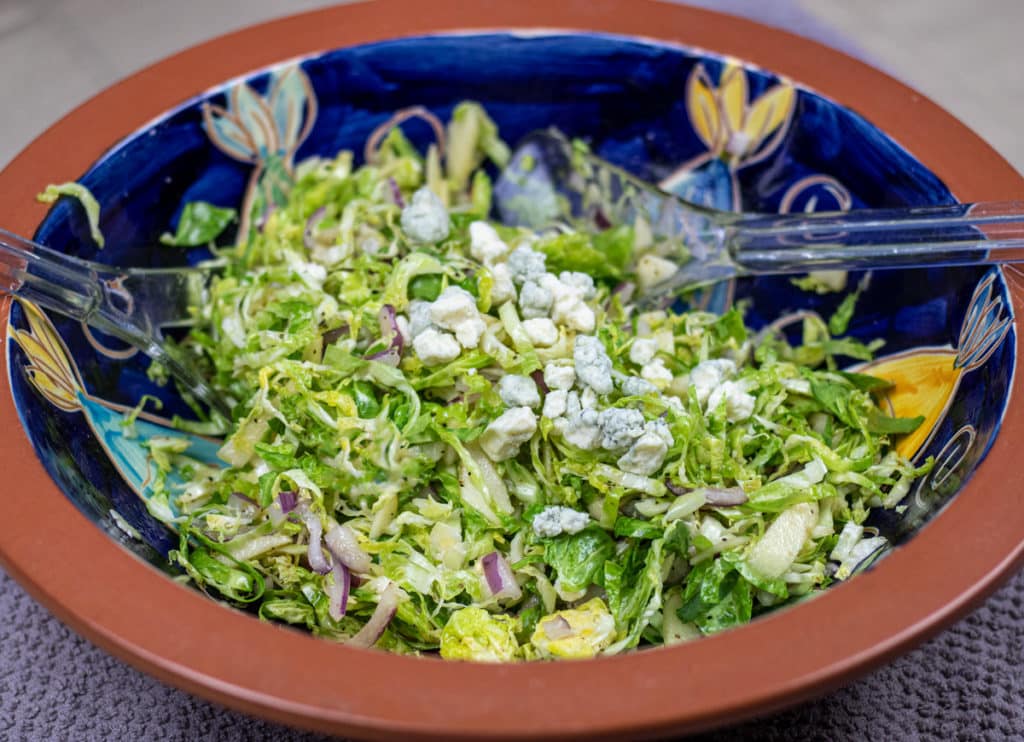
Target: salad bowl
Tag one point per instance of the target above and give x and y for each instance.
(792, 127)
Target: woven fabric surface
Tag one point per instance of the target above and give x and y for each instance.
(966, 684)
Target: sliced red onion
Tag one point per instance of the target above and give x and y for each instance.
(332, 336)
(343, 545)
(261, 220)
(396, 193)
(283, 504)
(557, 628)
(391, 355)
(311, 224)
(337, 590)
(387, 319)
(676, 489)
(315, 553)
(387, 605)
(288, 499)
(500, 577)
(724, 496)
(601, 221)
(538, 377)
(275, 514)
(714, 496)
(309, 236)
(624, 291)
(242, 502)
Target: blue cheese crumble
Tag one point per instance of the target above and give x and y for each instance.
(555, 520)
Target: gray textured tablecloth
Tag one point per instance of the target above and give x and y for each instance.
(967, 684)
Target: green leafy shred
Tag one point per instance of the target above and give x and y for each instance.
(84, 196)
(422, 394)
(200, 224)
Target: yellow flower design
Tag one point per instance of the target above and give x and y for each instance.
(925, 380)
(49, 369)
(731, 126)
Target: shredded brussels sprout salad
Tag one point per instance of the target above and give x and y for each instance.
(451, 435)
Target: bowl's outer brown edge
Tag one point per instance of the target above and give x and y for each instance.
(128, 612)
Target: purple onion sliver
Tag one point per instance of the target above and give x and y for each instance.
(337, 590)
(500, 578)
(387, 606)
(624, 291)
(512, 589)
(557, 628)
(396, 193)
(242, 502)
(261, 220)
(311, 224)
(724, 496)
(332, 336)
(538, 377)
(288, 499)
(601, 221)
(675, 489)
(315, 553)
(492, 573)
(388, 320)
(390, 355)
(343, 545)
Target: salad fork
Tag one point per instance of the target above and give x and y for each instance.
(551, 179)
(135, 305)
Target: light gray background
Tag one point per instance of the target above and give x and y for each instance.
(965, 54)
(966, 684)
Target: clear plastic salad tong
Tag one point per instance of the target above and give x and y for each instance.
(550, 178)
(132, 304)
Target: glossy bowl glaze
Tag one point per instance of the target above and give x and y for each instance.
(732, 135)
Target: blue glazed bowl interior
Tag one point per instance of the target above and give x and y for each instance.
(784, 148)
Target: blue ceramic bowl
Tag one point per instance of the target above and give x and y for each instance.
(730, 136)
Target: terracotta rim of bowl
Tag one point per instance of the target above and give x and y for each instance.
(129, 609)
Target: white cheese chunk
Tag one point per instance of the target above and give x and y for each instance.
(484, 243)
(503, 437)
(656, 373)
(434, 347)
(739, 404)
(642, 351)
(559, 377)
(555, 520)
(645, 456)
(425, 219)
(541, 331)
(593, 366)
(555, 403)
(455, 310)
(518, 391)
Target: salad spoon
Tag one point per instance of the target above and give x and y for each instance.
(134, 305)
(551, 180)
